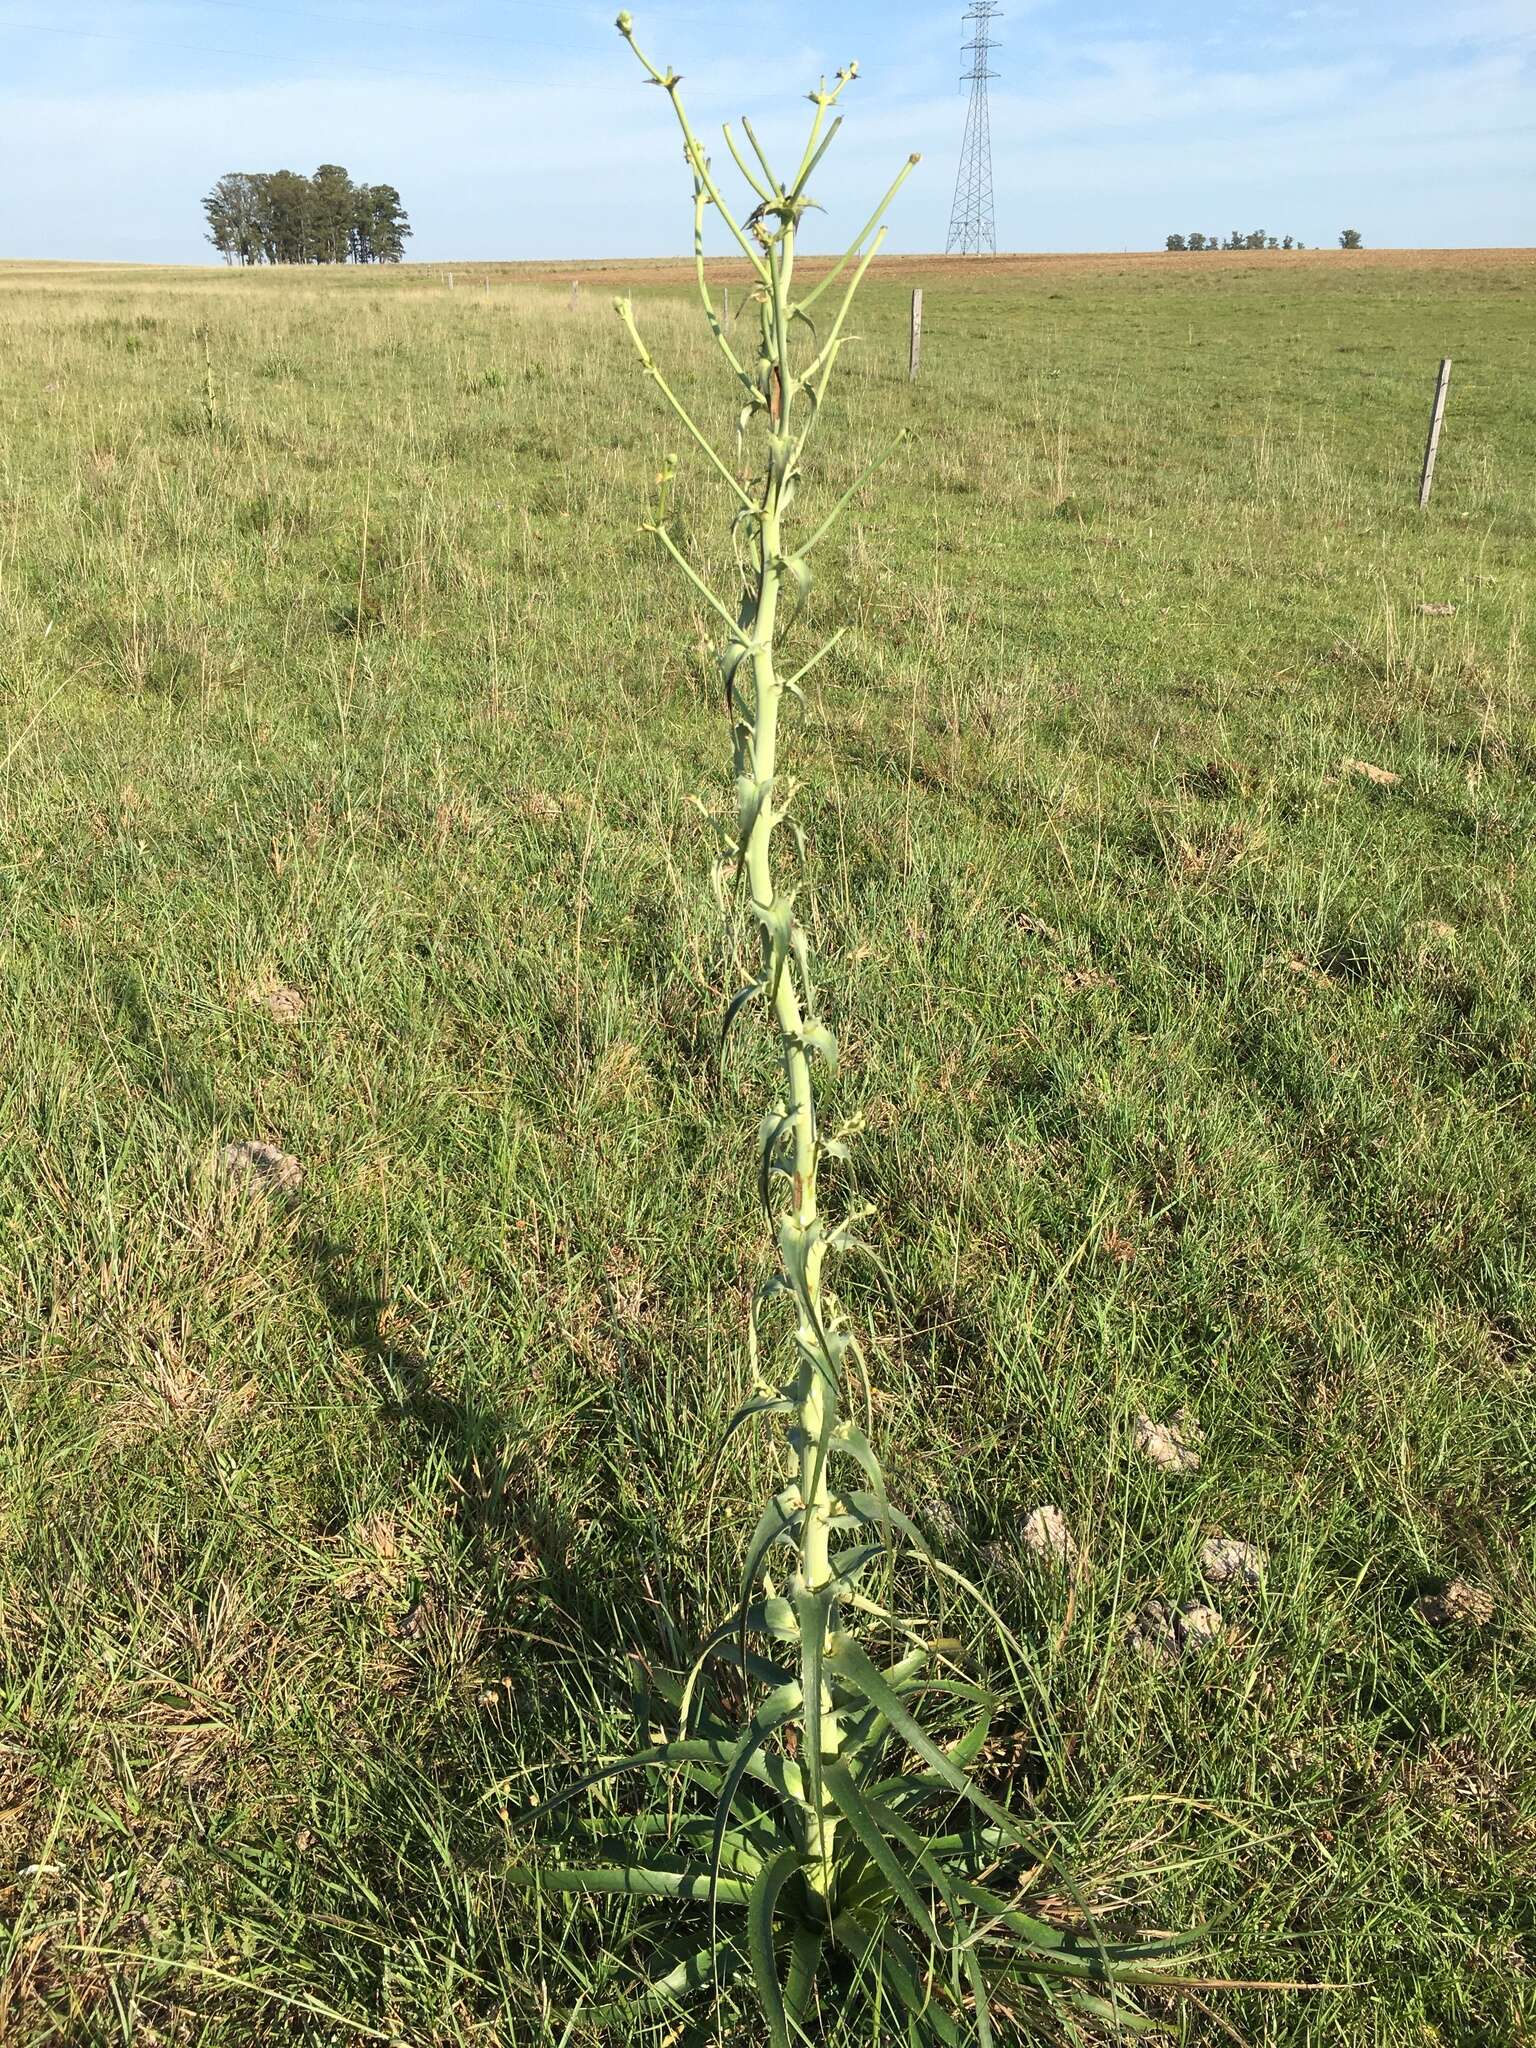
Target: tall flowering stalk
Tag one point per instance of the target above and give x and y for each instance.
(783, 391)
(846, 1839)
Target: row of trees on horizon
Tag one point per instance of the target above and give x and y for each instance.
(1256, 238)
(284, 217)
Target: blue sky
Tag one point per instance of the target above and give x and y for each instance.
(518, 128)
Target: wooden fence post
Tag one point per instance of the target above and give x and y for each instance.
(575, 292)
(916, 356)
(725, 317)
(1442, 387)
(450, 280)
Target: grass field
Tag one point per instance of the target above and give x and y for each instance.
(349, 732)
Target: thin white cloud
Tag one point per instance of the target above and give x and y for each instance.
(1103, 136)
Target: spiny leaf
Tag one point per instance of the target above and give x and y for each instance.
(874, 1509)
(779, 1707)
(805, 1950)
(1056, 1943)
(885, 1950)
(767, 1404)
(962, 1754)
(815, 1037)
(779, 1520)
(1117, 2013)
(797, 1242)
(775, 1125)
(851, 1663)
(1073, 1952)
(849, 1566)
(777, 920)
(751, 796)
(751, 1840)
(856, 1811)
(793, 682)
(865, 1728)
(796, 571)
(633, 1881)
(849, 1441)
(700, 1970)
(761, 1908)
(686, 1751)
(737, 1004)
(938, 1876)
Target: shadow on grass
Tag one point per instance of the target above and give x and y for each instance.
(500, 1500)
(502, 1508)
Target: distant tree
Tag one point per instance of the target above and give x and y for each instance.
(288, 217)
(332, 201)
(380, 226)
(284, 217)
(1351, 239)
(233, 208)
(1254, 238)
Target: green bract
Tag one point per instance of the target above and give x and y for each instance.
(843, 1832)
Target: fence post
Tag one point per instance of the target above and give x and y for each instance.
(916, 357)
(1432, 449)
(725, 317)
(575, 292)
(450, 280)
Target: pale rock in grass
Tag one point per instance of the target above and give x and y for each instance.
(1227, 1561)
(1047, 1542)
(286, 1005)
(1163, 1634)
(1153, 1633)
(1438, 611)
(1199, 1628)
(948, 1530)
(1310, 970)
(1384, 778)
(262, 1166)
(1170, 1446)
(1457, 1604)
(541, 807)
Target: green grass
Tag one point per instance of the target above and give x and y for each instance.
(1199, 1071)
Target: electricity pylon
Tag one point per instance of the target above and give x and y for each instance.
(972, 228)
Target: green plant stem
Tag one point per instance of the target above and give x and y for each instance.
(795, 1144)
(815, 1392)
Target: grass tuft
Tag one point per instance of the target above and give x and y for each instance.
(318, 1517)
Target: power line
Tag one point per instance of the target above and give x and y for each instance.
(149, 39)
(972, 223)
(386, 22)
